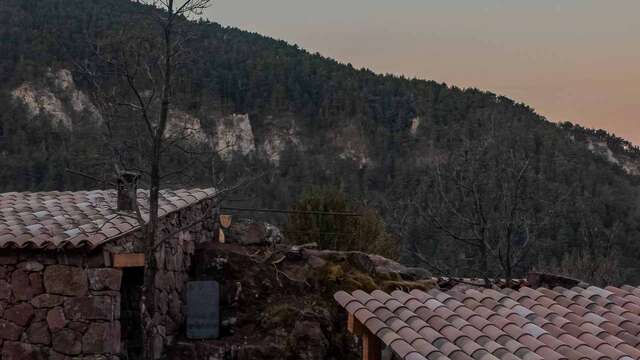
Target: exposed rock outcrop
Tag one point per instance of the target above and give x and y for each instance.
(233, 133)
(278, 134)
(58, 98)
(184, 126)
(353, 145)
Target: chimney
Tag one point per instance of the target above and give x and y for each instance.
(127, 191)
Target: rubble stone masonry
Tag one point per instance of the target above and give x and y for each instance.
(61, 304)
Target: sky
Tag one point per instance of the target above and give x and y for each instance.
(571, 60)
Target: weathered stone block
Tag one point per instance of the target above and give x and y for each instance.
(54, 355)
(89, 308)
(78, 326)
(35, 280)
(9, 330)
(31, 266)
(39, 315)
(4, 272)
(161, 280)
(174, 262)
(25, 287)
(158, 346)
(160, 255)
(38, 333)
(162, 302)
(98, 259)
(71, 259)
(66, 341)
(5, 290)
(8, 258)
(102, 338)
(20, 351)
(175, 306)
(19, 314)
(56, 319)
(65, 280)
(47, 301)
(104, 279)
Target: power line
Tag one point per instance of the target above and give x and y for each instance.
(301, 212)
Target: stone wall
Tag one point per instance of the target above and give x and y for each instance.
(184, 231)
(174, 264)
(64, 304)
(58, 306)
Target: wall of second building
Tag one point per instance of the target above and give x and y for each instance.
(174, 258)
(58, 305)
(180, 233)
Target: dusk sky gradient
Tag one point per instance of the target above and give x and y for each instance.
(575, 60)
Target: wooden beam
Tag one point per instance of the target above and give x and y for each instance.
(354, 325)
(128, 260)
(371, 346)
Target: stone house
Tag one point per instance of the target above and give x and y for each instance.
(71, 270)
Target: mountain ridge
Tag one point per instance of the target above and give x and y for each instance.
(379, 138)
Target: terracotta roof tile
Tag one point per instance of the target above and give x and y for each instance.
(56, 220)
(575, 324)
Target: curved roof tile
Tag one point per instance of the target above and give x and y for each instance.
(576, 324)
(81, 219)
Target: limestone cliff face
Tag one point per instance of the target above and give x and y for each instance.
(233, 133)
(414, 124)
(185, 126)
(58, 98)
(352, 144)
(278, 133)
(624, 158)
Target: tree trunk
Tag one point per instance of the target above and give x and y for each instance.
(151, 268)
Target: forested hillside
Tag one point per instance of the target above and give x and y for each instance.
(469, 182)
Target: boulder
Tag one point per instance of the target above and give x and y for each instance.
(416, 273)
(248, 232)
(307, 336)
(386, 266)
(362, 262)
(65, 280)
(274, 235)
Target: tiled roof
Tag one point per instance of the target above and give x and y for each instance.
(50, 220)
(528, 324)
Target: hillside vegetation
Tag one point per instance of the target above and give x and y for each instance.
(469, 182)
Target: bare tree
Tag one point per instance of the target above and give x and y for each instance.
(484, 199)
(148, 56)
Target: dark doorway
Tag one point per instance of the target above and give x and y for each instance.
(131, 324)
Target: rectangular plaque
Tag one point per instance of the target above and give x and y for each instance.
(203, 310)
